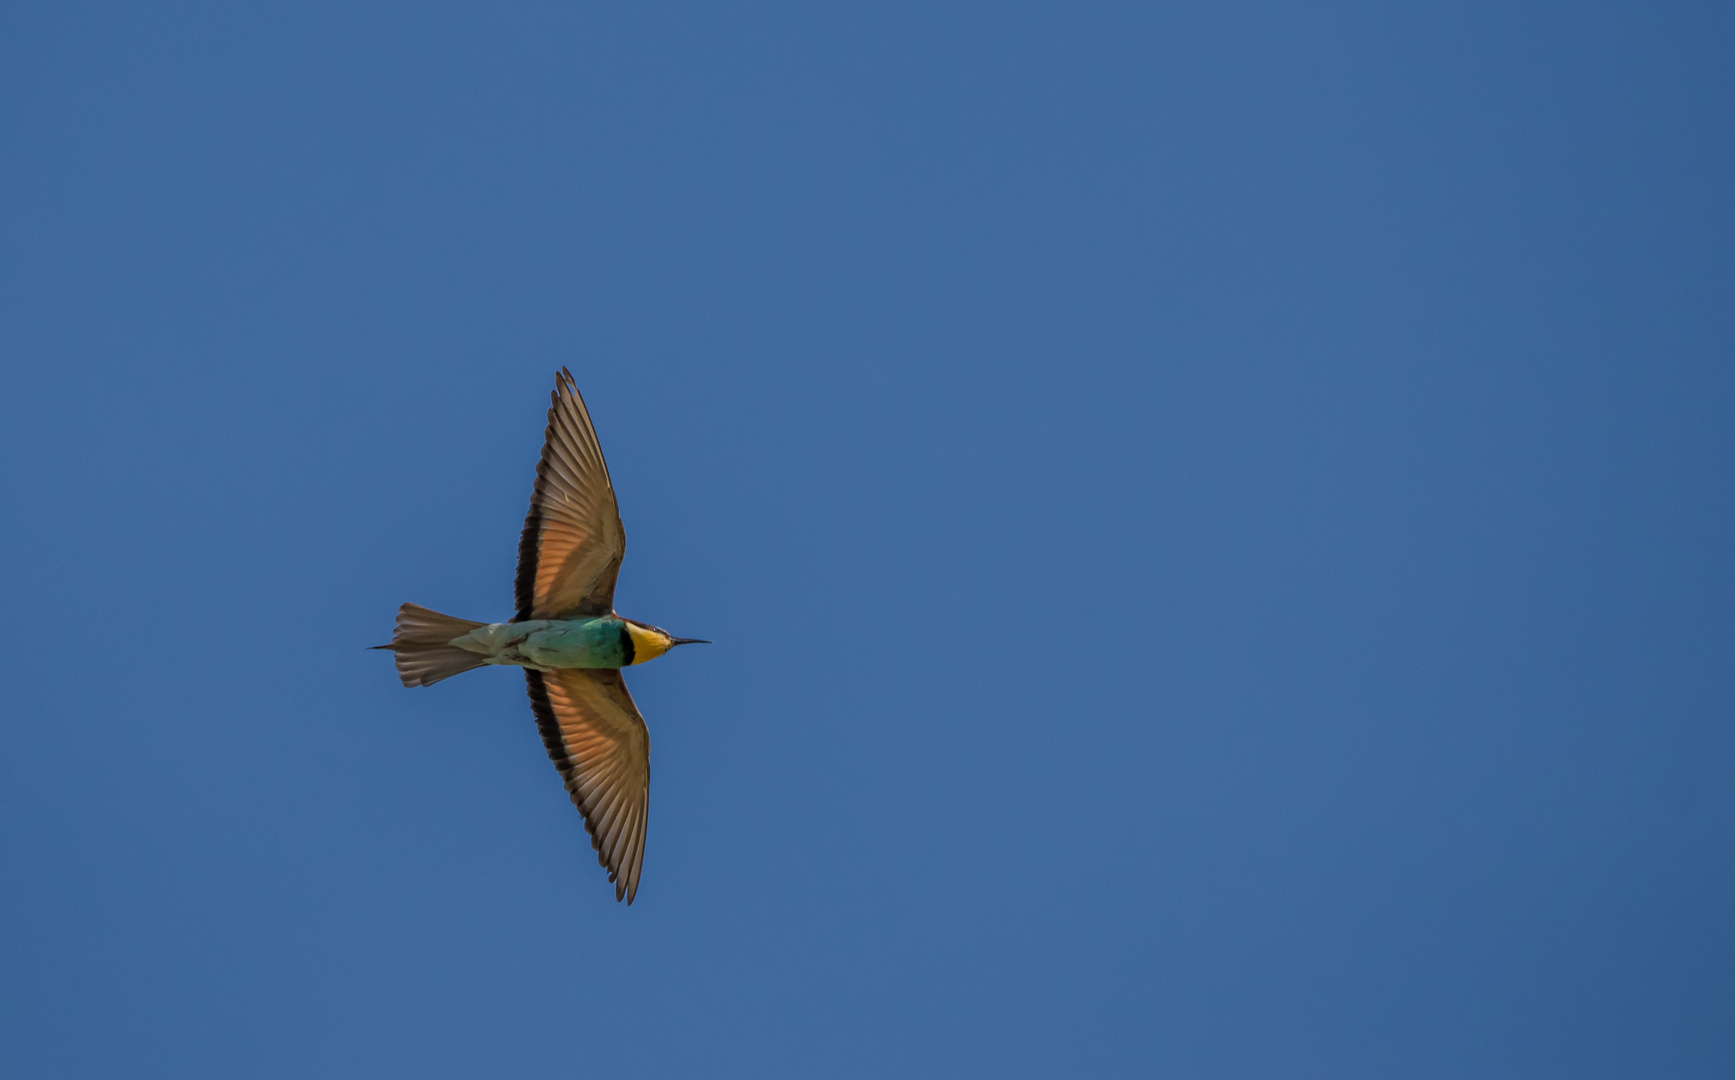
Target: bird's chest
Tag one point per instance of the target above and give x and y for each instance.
(575, 643)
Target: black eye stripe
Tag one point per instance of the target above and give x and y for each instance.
(626, 646)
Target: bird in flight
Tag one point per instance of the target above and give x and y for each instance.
(567, 638)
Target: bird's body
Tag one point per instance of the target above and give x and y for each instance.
(567, 638)
(546, 644)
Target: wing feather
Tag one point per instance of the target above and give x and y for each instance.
(599, 742)
(570, 551)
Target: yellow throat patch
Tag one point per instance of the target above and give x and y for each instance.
(647, 644)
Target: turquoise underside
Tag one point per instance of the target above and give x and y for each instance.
(573, 643)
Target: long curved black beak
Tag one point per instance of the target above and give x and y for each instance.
(687, 641)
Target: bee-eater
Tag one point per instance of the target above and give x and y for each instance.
(567, 638)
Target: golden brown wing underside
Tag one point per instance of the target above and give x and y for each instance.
(598, 741)
(571, 548)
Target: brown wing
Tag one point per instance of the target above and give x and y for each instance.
(573, 541)
(598, 741)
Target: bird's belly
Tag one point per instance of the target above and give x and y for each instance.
(574, 644)
(548, 643)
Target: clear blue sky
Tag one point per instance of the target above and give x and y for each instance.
(1216, 520)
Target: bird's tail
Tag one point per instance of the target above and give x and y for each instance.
(420, 644)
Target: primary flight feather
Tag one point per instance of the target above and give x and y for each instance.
(567, 638)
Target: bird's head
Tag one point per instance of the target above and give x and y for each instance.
(650, 642)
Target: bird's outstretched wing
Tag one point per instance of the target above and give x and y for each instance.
(571, 548)
(598, 741)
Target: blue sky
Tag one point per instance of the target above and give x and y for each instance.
(1215, 518)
